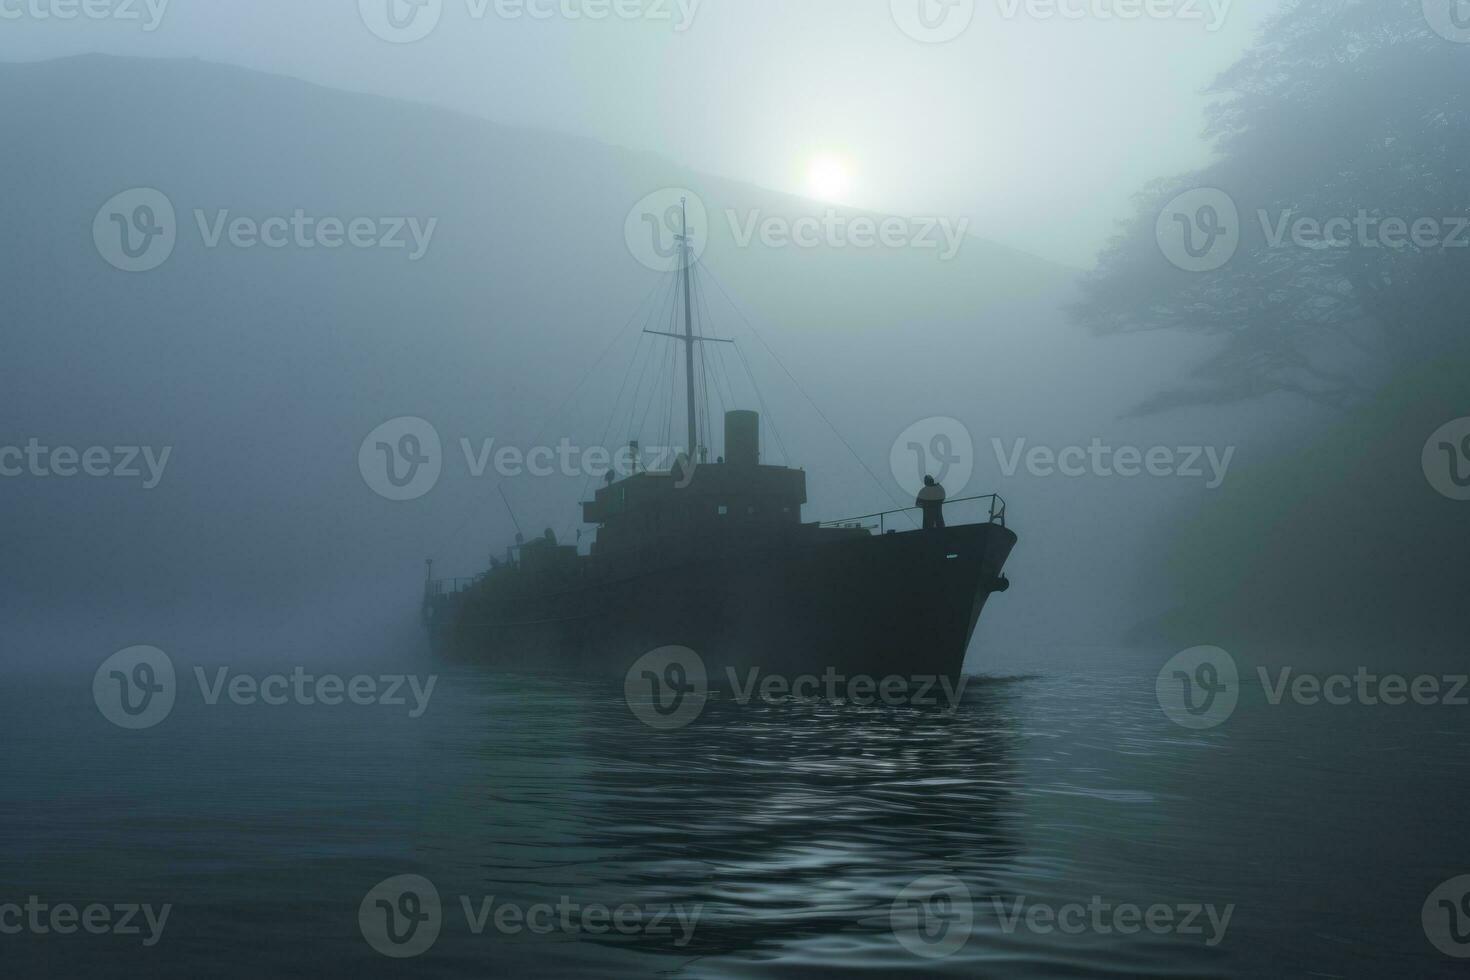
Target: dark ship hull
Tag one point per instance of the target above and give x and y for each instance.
(857, 604)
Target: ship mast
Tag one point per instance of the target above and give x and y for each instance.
(686, 271)
(684, 250)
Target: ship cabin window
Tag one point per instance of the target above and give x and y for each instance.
(750, 510)
(723, 510)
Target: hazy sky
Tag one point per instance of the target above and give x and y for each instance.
(1037, 120)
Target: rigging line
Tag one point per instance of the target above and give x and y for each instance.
(718, 358)
(607, 431)
(702, 318)
(637, 396)
(632, 410)
(655, 393)
(633, 405)
(650, 358)
(719, 395)
(768, 416)
(674, 393)
(470, 512)
(765, 409)
(722, 373)
(815, 407)
(712, 374)
(598, 363)
(665, 423)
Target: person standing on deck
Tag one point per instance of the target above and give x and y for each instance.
(931, 501)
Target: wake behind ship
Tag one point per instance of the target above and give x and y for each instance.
(715, 557)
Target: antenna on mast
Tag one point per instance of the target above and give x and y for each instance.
(686, 262)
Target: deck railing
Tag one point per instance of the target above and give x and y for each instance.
(450, 586)
(996, 504)
(997, 514)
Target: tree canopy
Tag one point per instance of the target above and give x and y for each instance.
(1343, 142)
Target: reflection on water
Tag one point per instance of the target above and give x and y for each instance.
(785, 823)
(790, 828)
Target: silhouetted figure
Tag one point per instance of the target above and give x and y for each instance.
(931, 501)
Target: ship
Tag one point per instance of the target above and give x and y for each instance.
(713, 556)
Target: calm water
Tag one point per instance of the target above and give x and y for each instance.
(790, 828)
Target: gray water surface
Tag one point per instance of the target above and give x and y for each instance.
(783, 832)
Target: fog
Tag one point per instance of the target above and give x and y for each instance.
(498, 161)
(1036, 123)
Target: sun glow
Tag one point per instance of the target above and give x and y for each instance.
(829, 177)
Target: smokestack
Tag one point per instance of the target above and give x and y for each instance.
(742, 438)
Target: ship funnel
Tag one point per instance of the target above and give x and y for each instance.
(743, 438)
